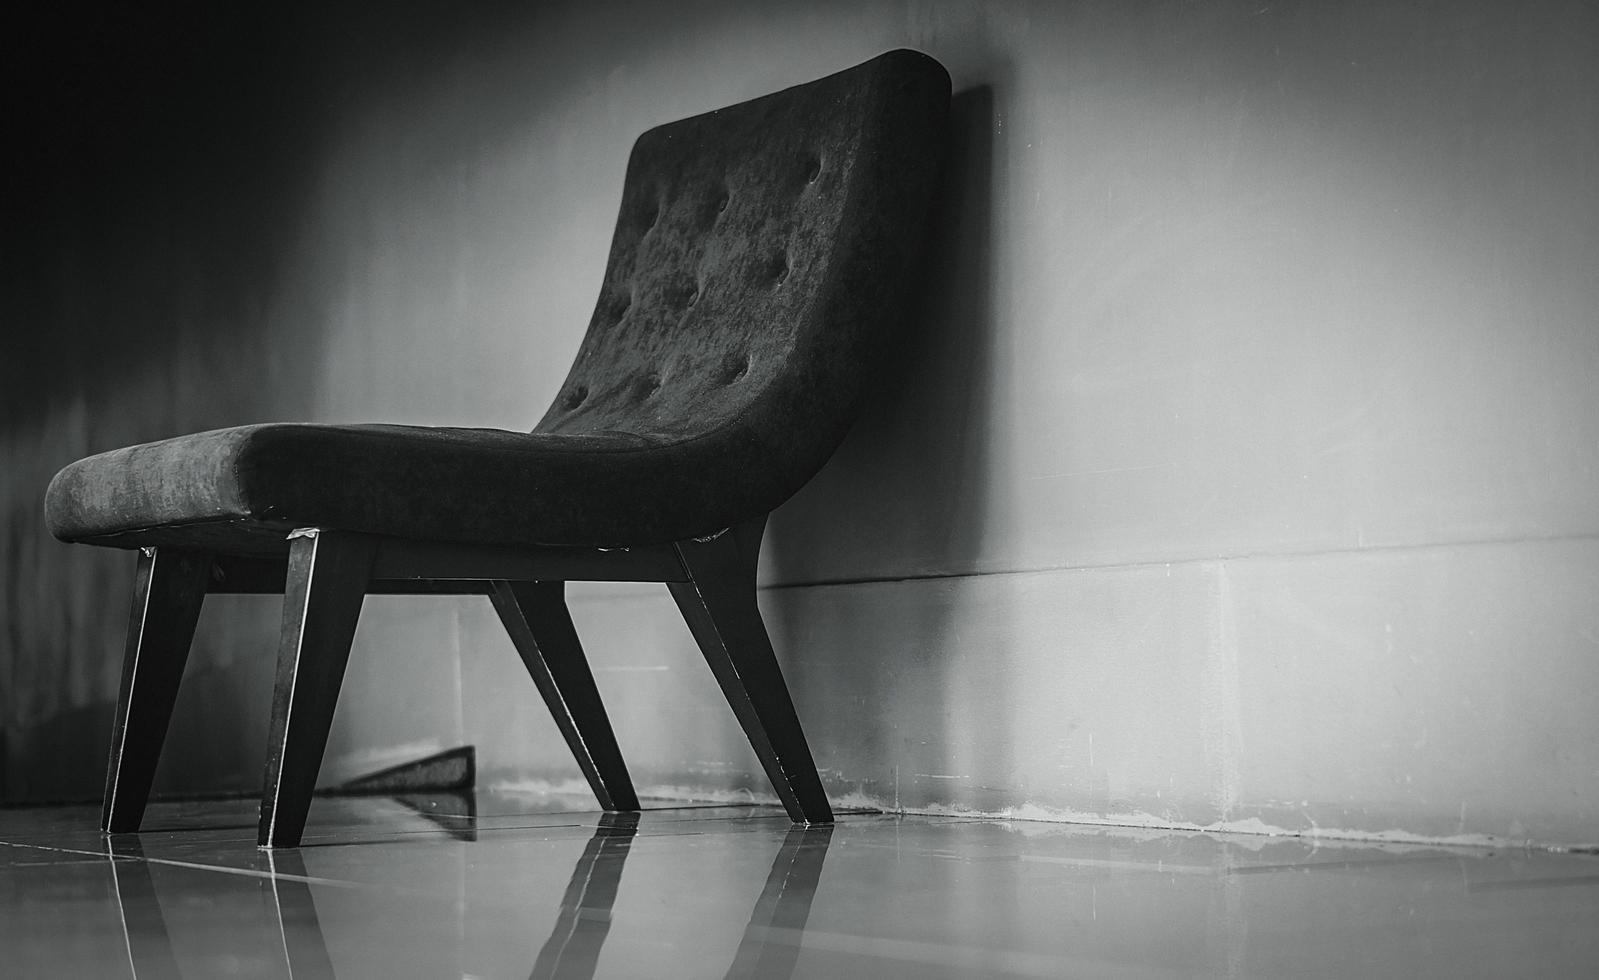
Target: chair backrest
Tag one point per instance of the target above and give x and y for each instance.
(758, 268)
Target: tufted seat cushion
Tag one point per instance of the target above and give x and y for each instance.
(758, 264)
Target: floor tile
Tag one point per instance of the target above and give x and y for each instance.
(511, 886)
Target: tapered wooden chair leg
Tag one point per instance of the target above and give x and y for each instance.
(167, 594)
(536, 617)
(719, 604)
(327, 580)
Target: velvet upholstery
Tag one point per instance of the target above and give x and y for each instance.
(756, 274)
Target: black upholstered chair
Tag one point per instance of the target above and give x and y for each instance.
(758, 267)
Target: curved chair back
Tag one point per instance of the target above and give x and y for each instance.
(759, 264)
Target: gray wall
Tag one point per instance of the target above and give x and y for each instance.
(1243, 472)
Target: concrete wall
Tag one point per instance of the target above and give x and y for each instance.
(1244, 470)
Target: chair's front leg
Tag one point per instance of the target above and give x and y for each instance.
(719, 604)
(167, 593)
(328, 575)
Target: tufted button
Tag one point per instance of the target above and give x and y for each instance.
(679, 292)
(777, 269)
(734, 368)
(813, 169)
(652, 216)
(575, 397)
(623, 304)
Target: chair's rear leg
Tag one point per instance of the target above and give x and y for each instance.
(327, 580)
(536, 617)
(719, 604)
(167, 594)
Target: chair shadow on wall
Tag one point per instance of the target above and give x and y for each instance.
(906, 497)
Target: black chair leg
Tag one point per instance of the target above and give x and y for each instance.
(719, 604)
(167, 594)
(541, 627)
(327, 579)
(536, 617)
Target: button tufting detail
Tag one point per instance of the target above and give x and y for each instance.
(813, 169)
(575, 397)
(734, 368)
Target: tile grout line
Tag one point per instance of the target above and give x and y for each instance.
(196, 866)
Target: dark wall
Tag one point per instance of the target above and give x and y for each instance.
(159, 184)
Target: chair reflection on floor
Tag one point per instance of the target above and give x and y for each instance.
(144, 928)
(573, 949)
(303, 944)
(769, 947)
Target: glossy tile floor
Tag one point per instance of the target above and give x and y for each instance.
(492, 886)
